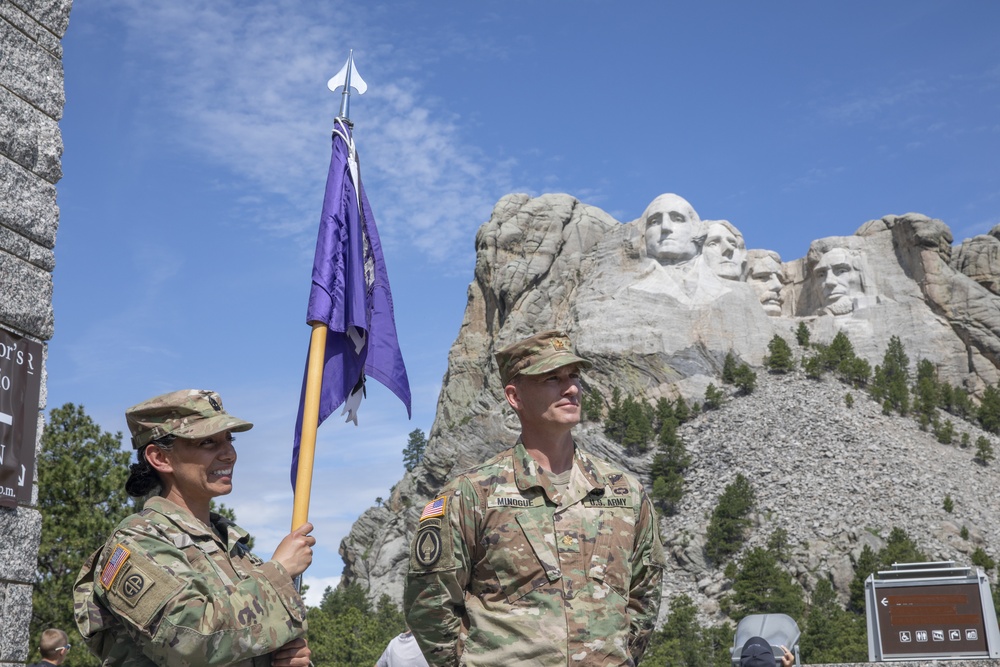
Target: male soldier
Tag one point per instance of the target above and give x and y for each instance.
(543, 555)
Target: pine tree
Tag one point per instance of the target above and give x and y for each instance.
(802, 335)
(344, 630)
(668, 489)
(988, 413)
(745, 379)
(683, 641)
(891, 383)
(638, 425)
(926, 395)
(629, 422)
(900, 548)
(856, 371)
(729, 522)
(591, 406)
(984, 451)
(982, 559)
(729, 367)
(945, 432)
(832, 635)
(413, 454)
(614, 421)
(867, 564)
(681, 410)
(761, 586)
(839, 351)
(713, 397)
(81, 497)
(664, 413)
(668, 468)
(813, 366)
(961, 406)
(779, 356)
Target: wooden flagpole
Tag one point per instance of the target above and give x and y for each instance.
(310, 424)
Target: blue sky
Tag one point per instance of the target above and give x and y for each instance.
(197, 142)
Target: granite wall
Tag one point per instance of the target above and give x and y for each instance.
(31, 104)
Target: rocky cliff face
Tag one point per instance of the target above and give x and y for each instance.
(656, 304)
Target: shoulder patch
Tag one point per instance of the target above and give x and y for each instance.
(141, 590)
(427, 545)
(114, 565)
(434, 508)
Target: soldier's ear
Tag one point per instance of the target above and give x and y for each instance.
(158, 459)
(510, 393)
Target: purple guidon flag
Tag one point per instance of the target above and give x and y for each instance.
(350, 294)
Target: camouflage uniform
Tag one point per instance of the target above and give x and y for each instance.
(505, 571)
(183, 595)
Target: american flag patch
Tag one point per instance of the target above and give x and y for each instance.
(114, 565)
(434, 508)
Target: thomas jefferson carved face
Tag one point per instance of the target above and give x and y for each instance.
(725, 250)
(839, 273)
(672, 230)
(765, 278)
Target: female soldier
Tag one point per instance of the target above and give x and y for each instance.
(176, 584)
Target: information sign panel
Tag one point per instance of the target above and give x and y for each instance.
(940, 619)
(931, 618)
(20, 386)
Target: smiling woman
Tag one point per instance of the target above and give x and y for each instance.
(177, 583)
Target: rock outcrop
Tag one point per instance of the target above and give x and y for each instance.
(656, 304)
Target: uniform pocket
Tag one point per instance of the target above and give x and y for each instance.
(611, 560)
(519, 555)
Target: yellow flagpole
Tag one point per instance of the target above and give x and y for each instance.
(310, 423)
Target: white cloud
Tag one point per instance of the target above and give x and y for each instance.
(317, 586)
(245, 84)
(866, 105)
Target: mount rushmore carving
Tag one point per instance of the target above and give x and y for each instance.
(657, 303)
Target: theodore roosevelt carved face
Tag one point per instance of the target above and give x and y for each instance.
(765, 275)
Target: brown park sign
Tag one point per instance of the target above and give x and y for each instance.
(937, 611)
(20, 386)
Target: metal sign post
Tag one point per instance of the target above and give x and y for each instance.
(930, 610)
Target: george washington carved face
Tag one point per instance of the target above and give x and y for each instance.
(673, 230)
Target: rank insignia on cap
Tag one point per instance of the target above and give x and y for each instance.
(114, 565)
(434, 508)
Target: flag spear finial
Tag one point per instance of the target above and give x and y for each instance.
(348, 77)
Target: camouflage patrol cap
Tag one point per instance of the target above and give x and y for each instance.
(188, 413)
(536, 355)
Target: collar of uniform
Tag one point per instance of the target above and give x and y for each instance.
(527, 472)
(192, 526)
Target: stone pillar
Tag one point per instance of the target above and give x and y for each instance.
(31, 104)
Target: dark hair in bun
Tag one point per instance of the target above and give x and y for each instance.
(143, 480)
